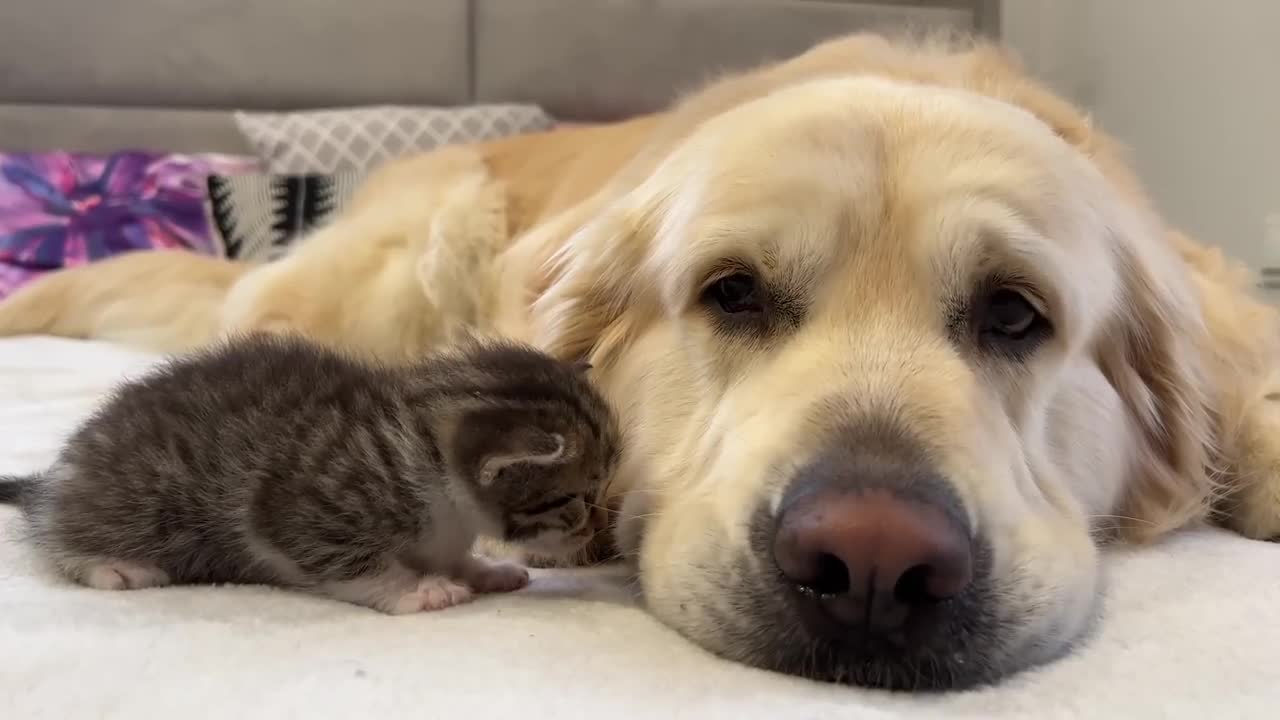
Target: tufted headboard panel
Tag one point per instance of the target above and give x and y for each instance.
(165, 74)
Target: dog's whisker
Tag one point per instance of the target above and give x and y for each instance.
(1140, 521)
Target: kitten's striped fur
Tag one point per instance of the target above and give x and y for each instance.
(268, 459)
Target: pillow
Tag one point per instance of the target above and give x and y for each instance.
(61, 209)
(359, 139)
(257, 216)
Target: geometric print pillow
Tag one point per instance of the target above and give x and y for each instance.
(258, 217)
(359, 139)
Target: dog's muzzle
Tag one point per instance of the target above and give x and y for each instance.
(873, 564)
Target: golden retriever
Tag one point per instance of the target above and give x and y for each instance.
(896, 340)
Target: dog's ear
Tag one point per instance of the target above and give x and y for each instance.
(1152, 356)
(1152, 351)
(596, 293)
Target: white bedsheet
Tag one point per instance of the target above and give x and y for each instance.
(1192, 630)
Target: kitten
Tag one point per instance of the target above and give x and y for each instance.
(270, 460)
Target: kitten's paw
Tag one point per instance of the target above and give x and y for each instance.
(119, 575)
(497, 577)
(434, 592)
(399, 590)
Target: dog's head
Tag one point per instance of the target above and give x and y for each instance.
(889, 359)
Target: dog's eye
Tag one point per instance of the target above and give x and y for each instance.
(1008, 313)
(1008, 320)
(734, 294)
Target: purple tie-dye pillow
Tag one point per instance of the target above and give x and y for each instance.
(61, 209)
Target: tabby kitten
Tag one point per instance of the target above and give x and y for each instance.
(271, 460)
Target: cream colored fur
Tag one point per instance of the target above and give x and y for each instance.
(882, 179)
(410, 268)
(404, 269)
(890, 202)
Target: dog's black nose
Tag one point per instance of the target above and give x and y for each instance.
(870, 561)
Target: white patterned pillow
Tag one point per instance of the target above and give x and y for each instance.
(359, 139)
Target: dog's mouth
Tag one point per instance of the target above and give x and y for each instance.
(842, 637)
(864, 571)
(959, 644)
(741, 605)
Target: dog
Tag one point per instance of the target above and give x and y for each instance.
(897, 342)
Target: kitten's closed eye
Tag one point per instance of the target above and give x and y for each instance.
(550, 505)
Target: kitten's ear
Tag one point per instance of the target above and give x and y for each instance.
(485, 441)
(526, 446)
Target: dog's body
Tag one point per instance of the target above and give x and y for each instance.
(903, 275)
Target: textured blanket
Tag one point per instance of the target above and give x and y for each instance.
(1192, 630)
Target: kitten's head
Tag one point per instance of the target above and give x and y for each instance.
(538, 445)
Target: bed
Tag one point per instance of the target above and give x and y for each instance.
(1190, 626)
(1189, 630)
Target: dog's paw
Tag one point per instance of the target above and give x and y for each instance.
(1254, 511)
(1251, 506)
(500, 551)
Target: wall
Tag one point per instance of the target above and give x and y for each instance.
(1192, 86)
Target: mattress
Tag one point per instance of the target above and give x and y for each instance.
(1191, 630)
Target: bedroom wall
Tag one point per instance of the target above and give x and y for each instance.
(1192, 86)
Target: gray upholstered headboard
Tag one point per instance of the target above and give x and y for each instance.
(165, 74)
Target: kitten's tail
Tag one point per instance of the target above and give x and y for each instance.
(14, 487)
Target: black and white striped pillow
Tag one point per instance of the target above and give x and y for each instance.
(258, 217)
